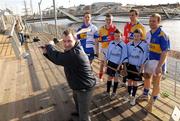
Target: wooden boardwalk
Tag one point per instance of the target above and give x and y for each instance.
(34, 89)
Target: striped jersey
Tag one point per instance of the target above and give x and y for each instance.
(87, 39)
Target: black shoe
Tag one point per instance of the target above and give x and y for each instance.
(75, 114)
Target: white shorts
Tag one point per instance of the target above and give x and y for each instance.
(150, 67)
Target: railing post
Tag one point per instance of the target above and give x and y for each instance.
(175, 79)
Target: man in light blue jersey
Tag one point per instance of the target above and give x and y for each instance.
(137, 56)
(89, 40)
(159, 46)
(115, 57)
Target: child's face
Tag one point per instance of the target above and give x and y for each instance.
(117, 36)
(137, 36)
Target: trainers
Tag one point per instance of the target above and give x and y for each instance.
(123, 84)
(113, 96)
(143, 98)
(106, 94)
(25, 54)
(133, 101)
(127, 97)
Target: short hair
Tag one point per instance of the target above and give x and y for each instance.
(158, 16)
(68, 31)
(138, 31)
(109, 15)
(117, 31)
(135, 11)
(86, 13)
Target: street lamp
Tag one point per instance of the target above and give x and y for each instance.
(39, 4)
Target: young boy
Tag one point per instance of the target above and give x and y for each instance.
(137, 56)
(115, 57)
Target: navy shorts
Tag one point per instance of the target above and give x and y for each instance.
(132, 76)
(110, 71)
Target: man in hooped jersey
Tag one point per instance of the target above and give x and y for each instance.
(89, 39)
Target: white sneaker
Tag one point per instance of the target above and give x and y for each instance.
(106, 94)
(113, 96)
(25, 54)
(133, 101)
(127, 97)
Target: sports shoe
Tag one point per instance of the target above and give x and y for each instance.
(106, 94)
(133, 101)
(113, 96)
(143, 98)
(127, 97)
(25, 54)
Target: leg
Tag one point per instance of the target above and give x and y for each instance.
(101, 69)
(129, 86)
(155, 92)
(147, 84)
(84, 100)
(134, 88)
(109, 83)
(75, 100)
(115, 85)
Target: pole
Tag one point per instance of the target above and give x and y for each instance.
(55, 18)
(39, 4)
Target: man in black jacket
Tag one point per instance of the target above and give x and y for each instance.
(78, 72)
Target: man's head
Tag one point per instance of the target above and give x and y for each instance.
(108, 19)
(87, 18)
(133, 15)
(154, 21)
(137, 34)
(68, 39)
(117, 35)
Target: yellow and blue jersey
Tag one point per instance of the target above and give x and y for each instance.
(87, 39)
(117, 52)
(137, 53)
(158, 42)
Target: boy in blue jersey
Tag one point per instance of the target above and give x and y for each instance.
(137, 56)
(159, 46)
(115, 57)
(89, 40)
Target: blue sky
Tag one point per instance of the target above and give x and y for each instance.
(18, 5)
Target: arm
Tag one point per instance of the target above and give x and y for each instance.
(144, 33)
(58, 58)
(97, 46)
(165, 46)
(145, 57)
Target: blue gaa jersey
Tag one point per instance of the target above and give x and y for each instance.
(88, 39)
(159, 42)
(117, 52)
(137, 53)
